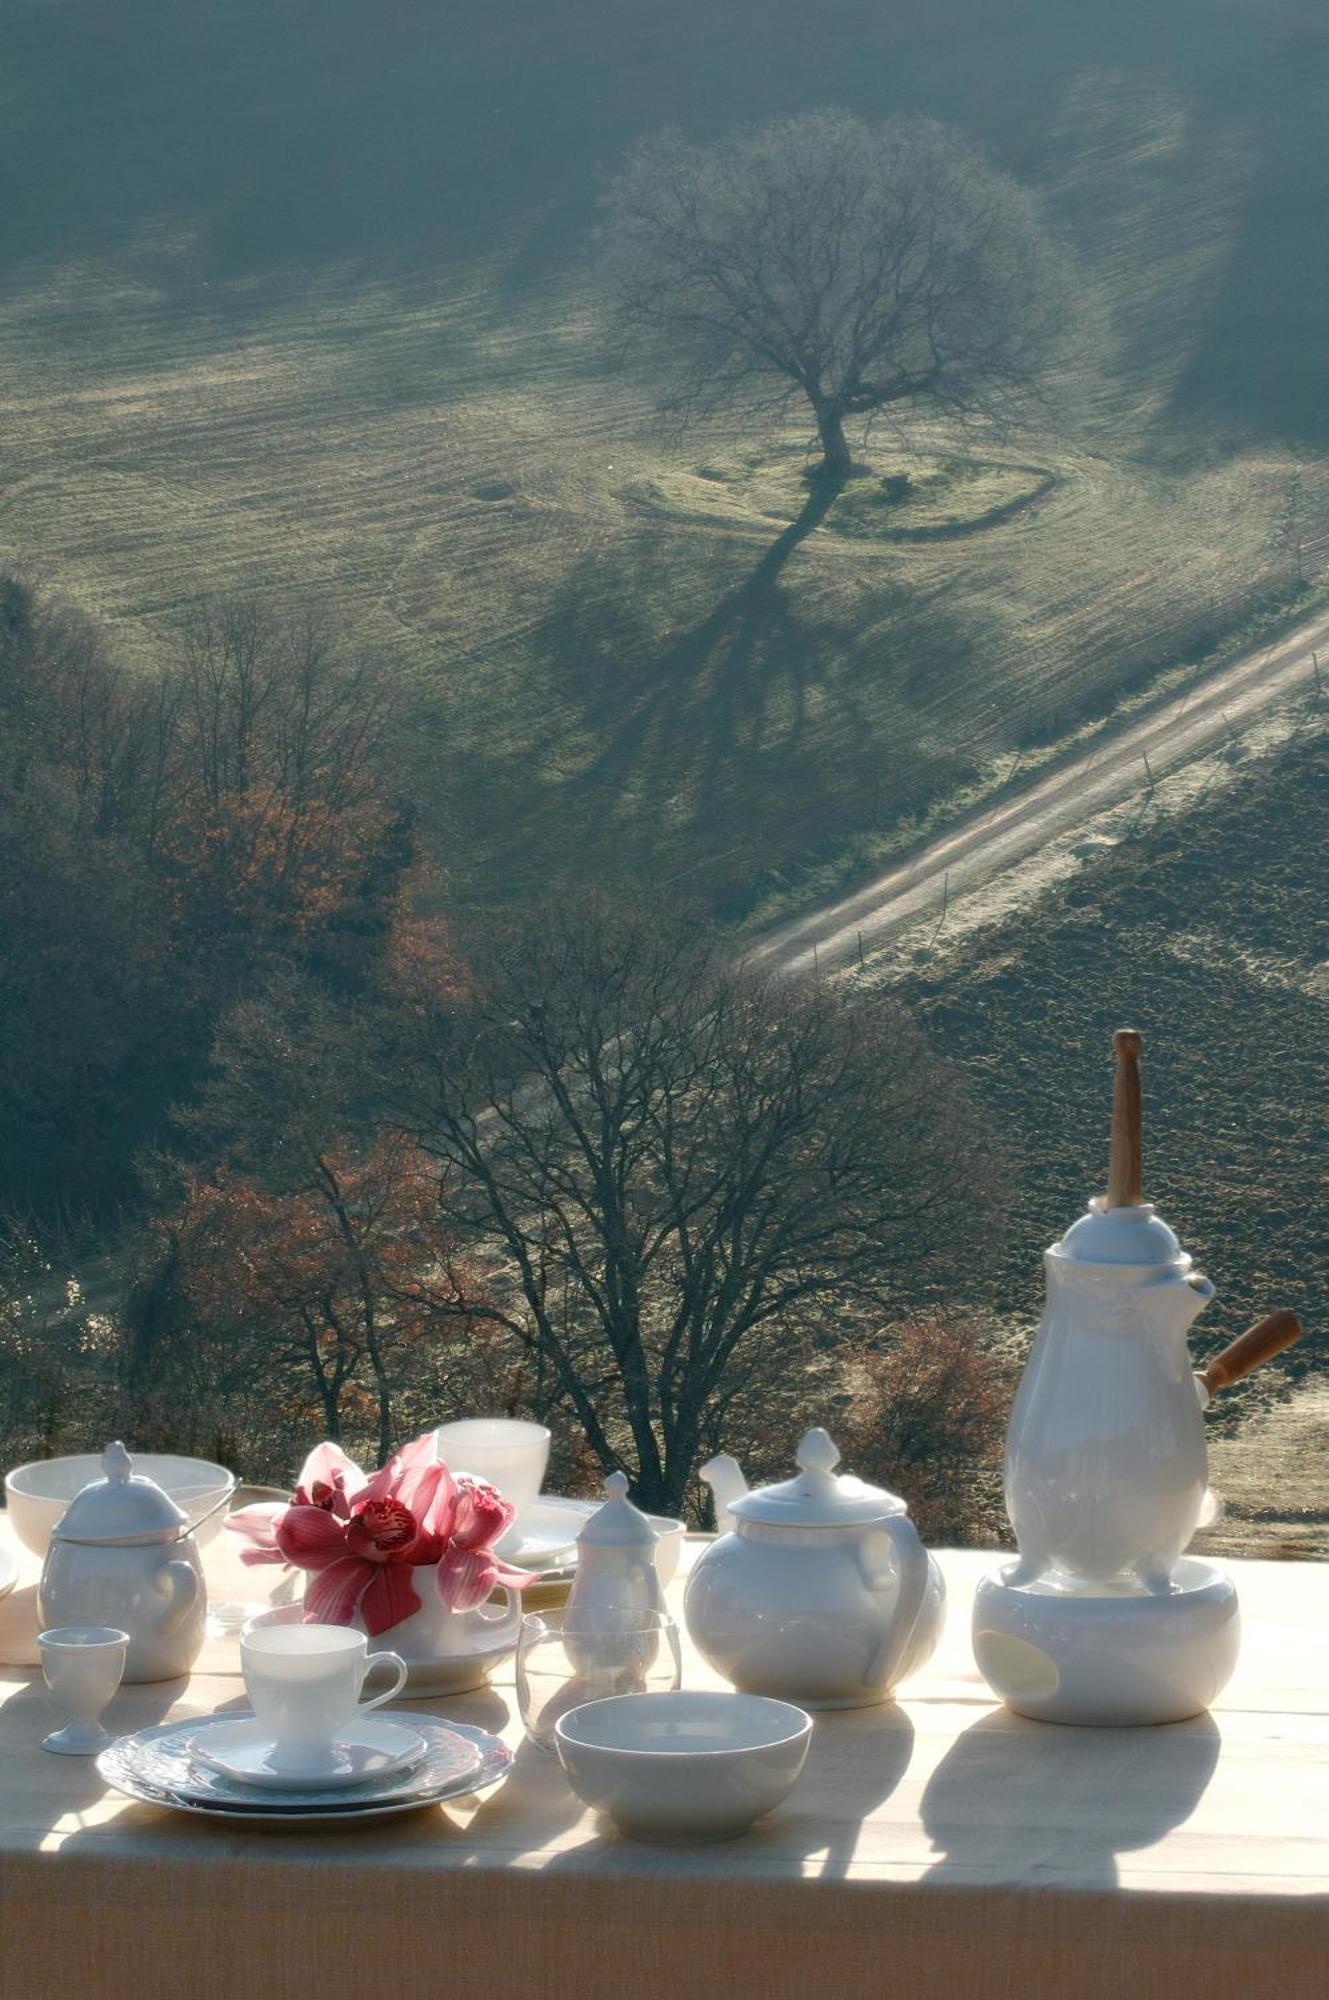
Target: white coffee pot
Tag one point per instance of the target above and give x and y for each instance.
(821, 1593)
(1106, 1463)
(120, 1555)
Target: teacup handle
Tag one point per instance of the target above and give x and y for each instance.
(393, 1660)
(491, 1612)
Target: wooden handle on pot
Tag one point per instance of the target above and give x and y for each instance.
(1124, 1166)
(1259, 1343)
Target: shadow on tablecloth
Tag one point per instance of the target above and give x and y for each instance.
(1021, 1801)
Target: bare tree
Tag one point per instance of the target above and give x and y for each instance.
(818, 259)
(674, 1172)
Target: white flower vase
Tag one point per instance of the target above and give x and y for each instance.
(450, 1652)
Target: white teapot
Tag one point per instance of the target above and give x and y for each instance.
(119, 1555)
(821, 1594)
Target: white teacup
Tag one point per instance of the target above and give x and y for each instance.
(505, 1452)
(304, 1683)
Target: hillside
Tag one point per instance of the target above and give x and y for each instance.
(1206, 927)
(296, 298)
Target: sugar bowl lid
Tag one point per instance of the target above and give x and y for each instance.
(818, 1498)
(120, 1508)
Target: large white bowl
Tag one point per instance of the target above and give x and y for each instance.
(683, 1766)
(38, 1494)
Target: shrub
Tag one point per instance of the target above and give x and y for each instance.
(927, 1418)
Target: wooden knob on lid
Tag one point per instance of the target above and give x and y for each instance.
(1125, 1182)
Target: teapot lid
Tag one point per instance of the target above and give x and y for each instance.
(818, 1498)
(1136, 1234)
(121, 1507)
(618, 1524)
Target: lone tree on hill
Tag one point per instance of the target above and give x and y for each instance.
(860, 268)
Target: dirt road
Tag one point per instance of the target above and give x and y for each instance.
(1124, 762)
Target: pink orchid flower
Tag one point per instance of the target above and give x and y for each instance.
(360, 1537)
(328, 1479)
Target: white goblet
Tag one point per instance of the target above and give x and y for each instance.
(83, 1666)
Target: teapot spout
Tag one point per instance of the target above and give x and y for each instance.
(724, 1476)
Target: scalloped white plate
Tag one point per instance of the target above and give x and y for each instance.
(153, 1767)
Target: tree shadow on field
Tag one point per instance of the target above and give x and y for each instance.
(767, 725)
(744, 661)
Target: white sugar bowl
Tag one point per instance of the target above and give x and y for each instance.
(822, 1593)
(120, 1555)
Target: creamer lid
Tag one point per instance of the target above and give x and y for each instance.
(1132, 1234)
(120, 1508)
(817, 1498)
(618, 1524)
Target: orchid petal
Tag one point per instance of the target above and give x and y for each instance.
(514, 1579)
(324, 1462)
(391, 1596)
(418, 1468)
(258, 1524)
(440, 1513)
(383, 1484)
(252, 1558)
(483, 1517)
(465, 1578)
(310, 1537)
(333, 1596)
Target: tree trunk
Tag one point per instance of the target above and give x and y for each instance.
(836, 460)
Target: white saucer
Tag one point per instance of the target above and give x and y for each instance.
(548, 1533)
(155, 1767)
(370, 1750)
(8, 1572)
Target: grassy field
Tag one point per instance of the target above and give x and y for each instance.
(300, 304)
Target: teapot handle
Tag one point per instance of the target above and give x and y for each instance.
(178, 1582)
(912, 1557)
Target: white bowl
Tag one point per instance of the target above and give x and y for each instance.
(38, 1494)
(683, 1766)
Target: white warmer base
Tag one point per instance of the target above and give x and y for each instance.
(1105, 1658)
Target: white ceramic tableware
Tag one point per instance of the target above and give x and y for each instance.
(446, 1652)
(305, 1683)
(368, 1750)
(505, 1452)
(155, 1767)
(36, 1495)
(550, 1530)
(554, 1676)
(1108, 1391)
(616, 1585)
(1108, 1654)
(821, 1593)
(83, 1666)
(8, 1571)
(683, 1766)
(121, 1555)
(1102, 1621)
